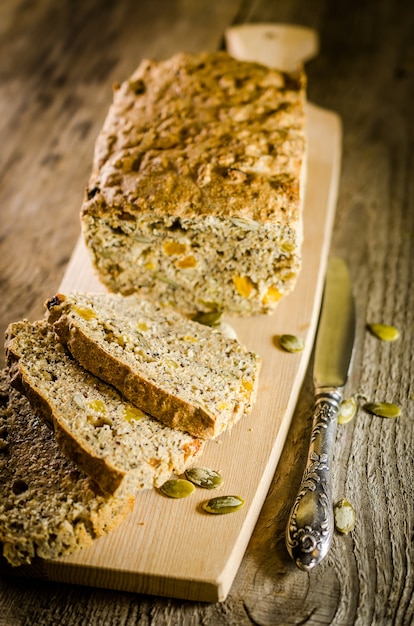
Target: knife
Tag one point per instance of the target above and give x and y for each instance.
(310, 527)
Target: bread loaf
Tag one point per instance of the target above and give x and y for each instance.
(48, 507)
(189, 376)
(120, 447)
(196, 190)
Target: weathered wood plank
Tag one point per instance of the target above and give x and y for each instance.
(53, 96)
(57, 67)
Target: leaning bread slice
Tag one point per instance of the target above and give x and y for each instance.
(48, 507)
(195, 197)
(188, 375)
(116, 444)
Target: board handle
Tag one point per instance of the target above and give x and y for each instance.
(282, 46)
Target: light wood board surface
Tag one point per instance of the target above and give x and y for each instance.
(169, 547)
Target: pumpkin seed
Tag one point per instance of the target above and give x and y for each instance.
(79, 400)
(291, 343)
(245, 223)
(383, 409)
(204, 477)
(344, 516)
(165, 279)
(227, 330)
(177, 488)
(384, 332)
(142, 239)
(347, 410)
(223, 504)
(208, 318)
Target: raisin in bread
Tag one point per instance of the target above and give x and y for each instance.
(119, 446)
(195, 197)
(48, 507)
(188, 375)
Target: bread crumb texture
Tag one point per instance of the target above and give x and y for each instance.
(196, 190)
(122, 448)
(188, 375)
(48, 506)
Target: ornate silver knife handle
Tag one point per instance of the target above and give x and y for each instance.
(311, 523)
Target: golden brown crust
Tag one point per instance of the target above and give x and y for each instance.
(121, 448)
(81, 322)
(110, 477)
(195, 198)
(202, 135)
(175, 412)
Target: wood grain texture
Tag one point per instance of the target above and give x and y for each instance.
(56, 62)
(57, 68)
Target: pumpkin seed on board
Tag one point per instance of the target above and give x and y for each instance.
(291, 343)
(208, 318)
(384, 332)
(222, 505)
(177, 488)
(383, 409)
(344, 516)
(204, 477)
(226, 329)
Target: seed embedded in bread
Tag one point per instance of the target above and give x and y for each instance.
(188, 375)
(195, 198)
(122, 449)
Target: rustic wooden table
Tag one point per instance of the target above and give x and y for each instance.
(57, 64)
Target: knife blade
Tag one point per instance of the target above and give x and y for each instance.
(310, 527)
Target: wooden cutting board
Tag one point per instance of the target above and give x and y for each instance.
(169, 547)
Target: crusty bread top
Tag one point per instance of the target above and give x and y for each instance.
(48, 507)
(202, 134)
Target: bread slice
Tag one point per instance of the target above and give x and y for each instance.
(188, 375)
(195, 198)
(116, 444)
(48, 507)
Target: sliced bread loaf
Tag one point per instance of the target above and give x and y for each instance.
(188, 375)
(119, 446)
(196, 191)
(48, 507)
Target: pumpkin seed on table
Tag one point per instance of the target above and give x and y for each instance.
(204, 477)
(222, 505)
(344, 516)
(177, 488)
(384, 332)
(347, 410)
(383, 409)
(291, 343)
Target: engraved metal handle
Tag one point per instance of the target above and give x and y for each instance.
(311, 523)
